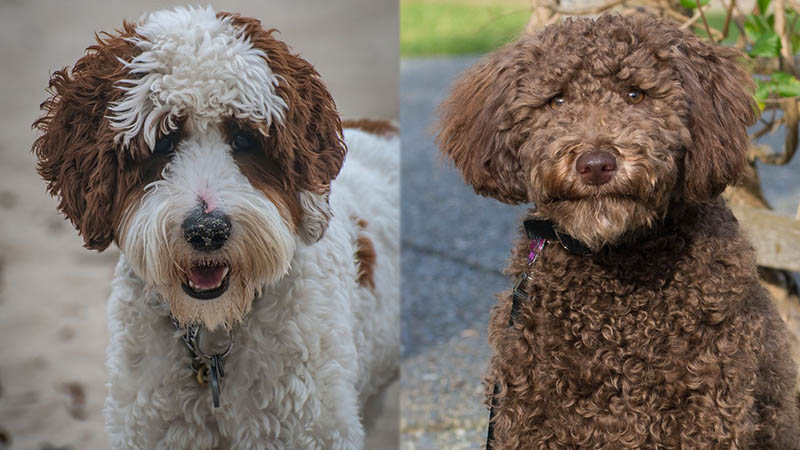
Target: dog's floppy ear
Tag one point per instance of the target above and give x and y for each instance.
(311, 129)
(76, 153)
(719, 92)
(474, 128)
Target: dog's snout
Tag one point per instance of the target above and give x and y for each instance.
(206, 232)
(596, 167)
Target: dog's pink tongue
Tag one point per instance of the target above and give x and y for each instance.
(205, 278)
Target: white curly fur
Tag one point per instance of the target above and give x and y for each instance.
(314, 346)
(314, 343)
(259, 249)
(193, 61)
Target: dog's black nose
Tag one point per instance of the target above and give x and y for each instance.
(206, 232)
(596, 167)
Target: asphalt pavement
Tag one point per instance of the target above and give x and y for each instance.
(455, 245)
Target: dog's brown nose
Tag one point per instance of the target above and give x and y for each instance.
(596, 167)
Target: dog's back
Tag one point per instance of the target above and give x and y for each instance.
(368, 191)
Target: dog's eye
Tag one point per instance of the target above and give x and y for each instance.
(165, 145)
(634, 96)
(557, 101)
(244, 142)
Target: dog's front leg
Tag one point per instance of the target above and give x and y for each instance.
(777, 407)
(139, 427)
(340, 425)
(500, 434)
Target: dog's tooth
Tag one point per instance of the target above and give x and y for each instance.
(224, 273)
(192, 285)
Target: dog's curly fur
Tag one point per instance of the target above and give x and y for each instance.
(213, 157)
(662, 337)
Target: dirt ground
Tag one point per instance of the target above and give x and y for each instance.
(52, 291)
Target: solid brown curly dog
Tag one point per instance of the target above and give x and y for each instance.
(624, 131)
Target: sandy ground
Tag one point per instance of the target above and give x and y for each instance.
(52, 291)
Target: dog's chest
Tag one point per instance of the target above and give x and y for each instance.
(625, 354)
(608, 345)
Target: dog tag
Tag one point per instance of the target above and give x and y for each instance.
(202, 375)
(216, 378)
(200, 369)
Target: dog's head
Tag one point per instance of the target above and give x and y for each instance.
(601, 123)
(200, 145)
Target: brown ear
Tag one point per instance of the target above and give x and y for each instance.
(719, 93)
(76, 153)
(311, 130)
(474, 128)
(311, 127)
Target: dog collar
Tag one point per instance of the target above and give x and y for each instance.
(540, 232)
(546, 230)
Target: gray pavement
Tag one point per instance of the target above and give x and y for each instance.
(455, 244)
(781, 184)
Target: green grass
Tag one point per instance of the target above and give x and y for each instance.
(430, 27)
(447, 28)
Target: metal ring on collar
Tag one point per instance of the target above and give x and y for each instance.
(195, 338)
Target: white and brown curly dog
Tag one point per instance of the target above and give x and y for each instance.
(256, 302)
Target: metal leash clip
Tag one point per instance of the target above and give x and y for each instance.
(206, 367)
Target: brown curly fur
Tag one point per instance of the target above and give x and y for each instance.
(662, 337)
(96, 178)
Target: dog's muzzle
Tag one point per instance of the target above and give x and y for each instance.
(207, 231)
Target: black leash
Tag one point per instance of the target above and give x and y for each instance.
(540, 232)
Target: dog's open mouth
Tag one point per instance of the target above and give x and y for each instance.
(206, 281)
